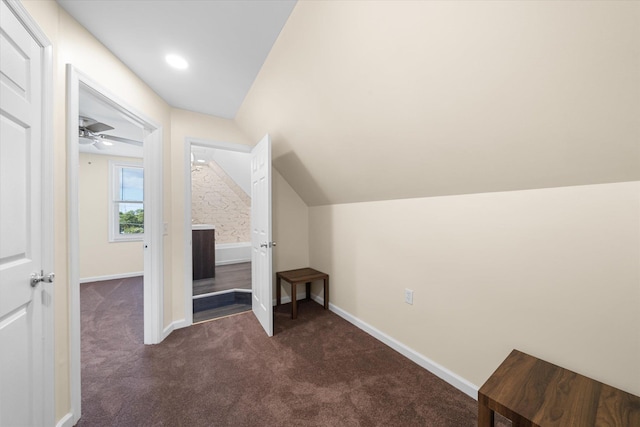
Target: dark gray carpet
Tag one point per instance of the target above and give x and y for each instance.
(318, 370)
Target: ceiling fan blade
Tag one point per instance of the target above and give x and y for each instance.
(98, 127)
(120, 139)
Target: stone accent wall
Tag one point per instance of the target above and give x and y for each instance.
(216, 199)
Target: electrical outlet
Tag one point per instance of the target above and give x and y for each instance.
(408, 296)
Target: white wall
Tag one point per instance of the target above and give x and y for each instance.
(552, 272)
(236, 165)
(216, 199)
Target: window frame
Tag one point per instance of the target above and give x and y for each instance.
(114, 201)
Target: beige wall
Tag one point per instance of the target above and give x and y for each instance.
(450, 97)
(405, 100)
(290, 224)
(98, 256)
(188, 124)
(290, 228)
(552, 272)
(490, 271)
(73, 44)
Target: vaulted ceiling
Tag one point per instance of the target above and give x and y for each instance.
(225, 42)
(376, 100)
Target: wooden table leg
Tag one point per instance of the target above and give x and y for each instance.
(308, 290)
(485, 416)
(278, 292)
(326, 293)
(294, 301)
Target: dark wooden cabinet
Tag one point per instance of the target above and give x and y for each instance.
(203, 245)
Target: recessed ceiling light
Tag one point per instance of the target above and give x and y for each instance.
(177, 61)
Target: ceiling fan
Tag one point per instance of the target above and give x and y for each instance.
(90, 132)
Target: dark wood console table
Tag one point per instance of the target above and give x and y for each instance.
(203, 244)
(299, 276)
(534, 393)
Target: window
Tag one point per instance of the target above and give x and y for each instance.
(126, 202)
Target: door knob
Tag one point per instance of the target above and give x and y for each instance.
(37, 278)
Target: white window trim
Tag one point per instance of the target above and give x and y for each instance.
(114, 234)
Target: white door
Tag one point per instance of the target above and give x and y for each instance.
(21, 311)
(261, 244)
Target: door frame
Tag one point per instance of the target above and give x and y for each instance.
(153, 222)
(188, 253)
(47, 165)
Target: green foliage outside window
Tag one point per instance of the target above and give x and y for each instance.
(132, 222)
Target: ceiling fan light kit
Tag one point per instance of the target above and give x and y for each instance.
(90, 132)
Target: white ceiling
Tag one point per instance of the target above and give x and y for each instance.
(92, 108)
(225, 43)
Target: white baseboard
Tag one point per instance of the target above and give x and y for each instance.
(233, 253)
(176, 324)
(226, 291)
(233, 261)
(438, 370)
(111, 277)
(66, 421)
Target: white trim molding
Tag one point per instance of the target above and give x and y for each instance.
(153, 222)
(233, 253)
(226, 291)
(66, 420)
(177, 324)
(114, 201)
(111, 277)
(438, 370)
(188, 266)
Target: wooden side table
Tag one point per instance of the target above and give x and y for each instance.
(299, 276)
(534, 393)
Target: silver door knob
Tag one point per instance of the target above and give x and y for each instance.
(37, 278)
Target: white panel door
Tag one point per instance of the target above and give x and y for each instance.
(21, 334)
(261, 244)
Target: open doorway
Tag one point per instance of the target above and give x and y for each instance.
(121, 166)
(110, 192)
(220, 217)
(261, 231)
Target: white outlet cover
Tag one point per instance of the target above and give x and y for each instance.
(408, 296)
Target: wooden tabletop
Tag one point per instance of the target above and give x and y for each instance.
(532, 392)
(301, 275)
